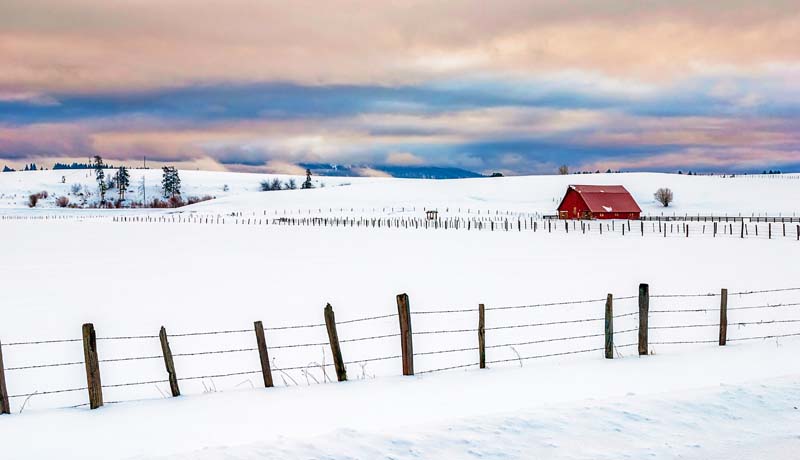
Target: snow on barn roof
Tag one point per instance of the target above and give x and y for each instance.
(607, 198)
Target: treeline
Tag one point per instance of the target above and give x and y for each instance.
(291, 184)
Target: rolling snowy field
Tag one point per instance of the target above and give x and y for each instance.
(686, 400)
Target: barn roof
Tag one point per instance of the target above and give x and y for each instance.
(607, 198)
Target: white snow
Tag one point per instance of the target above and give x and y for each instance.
(684, 401)
(771, 195)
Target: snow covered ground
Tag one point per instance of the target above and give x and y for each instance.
(703, 405)
(771, 195)
(686, 400)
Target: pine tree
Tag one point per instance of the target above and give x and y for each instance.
(100, 176)
(123, 180)
(307, 183)
(170, 181)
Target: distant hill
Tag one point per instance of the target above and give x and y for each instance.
(406, 172)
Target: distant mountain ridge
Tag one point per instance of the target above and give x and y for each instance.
(405, 172)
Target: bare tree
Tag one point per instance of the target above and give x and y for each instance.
(563, 170)
(664, 196)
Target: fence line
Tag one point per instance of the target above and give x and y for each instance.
(407, 355)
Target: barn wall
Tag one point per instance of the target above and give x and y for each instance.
(573, 204)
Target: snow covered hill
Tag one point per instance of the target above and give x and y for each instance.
(771, 195)
(548, 392)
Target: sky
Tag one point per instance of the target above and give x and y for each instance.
(513, 86)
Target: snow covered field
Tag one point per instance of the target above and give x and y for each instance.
(129, 279)
(771, 195)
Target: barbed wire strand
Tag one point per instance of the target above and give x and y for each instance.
(41, 366)
(448, 368)
(374, 337)
(445, 351)
(560, 339)
(546, 323)
(39, 342)
(50, 392)
(232, 374)
(550, 304)
(129, 337)
(716, 309)
(193, 334)
(299, 326)
(736, 323)
(372, 359)
(299, 345)
(775, 336)
(131, 384)
(134, 358)
(522, 358)
(369, 318)
(218, 352)
(439, 312)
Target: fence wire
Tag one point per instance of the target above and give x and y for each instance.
(548, 355)
(451, 350)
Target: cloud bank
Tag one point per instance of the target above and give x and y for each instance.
(520, 87)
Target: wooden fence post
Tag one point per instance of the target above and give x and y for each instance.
(168, 362)
(406, 341)
(610, 326)
(93, 383)
(5, 408)
(723, 317)
(644, 308)
(333, 338)
(263, 354)
(482, 335)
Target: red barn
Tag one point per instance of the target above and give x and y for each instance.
(598, 202)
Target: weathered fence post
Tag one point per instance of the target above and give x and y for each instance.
(168, 362)
(610, 326)
(482, 335)
(5, 408)
(644, 308)
(93, 383)
(406, 342)
(263, 354)
(333, 337)
(723, 317)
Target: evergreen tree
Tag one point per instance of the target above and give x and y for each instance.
(123, 180)
(307, 183)
(97, 164)
(170, 182)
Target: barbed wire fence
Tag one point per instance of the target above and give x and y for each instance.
(628, 322)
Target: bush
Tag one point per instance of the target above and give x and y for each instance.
(195, 199)
(156, 203)
(62, 202)
(274, 184)
(32, 200)
(75, 189)
(664, 196)
(176, 202)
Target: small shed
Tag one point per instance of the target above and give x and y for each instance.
(598, 202)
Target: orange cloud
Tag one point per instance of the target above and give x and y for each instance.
(90, 45)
